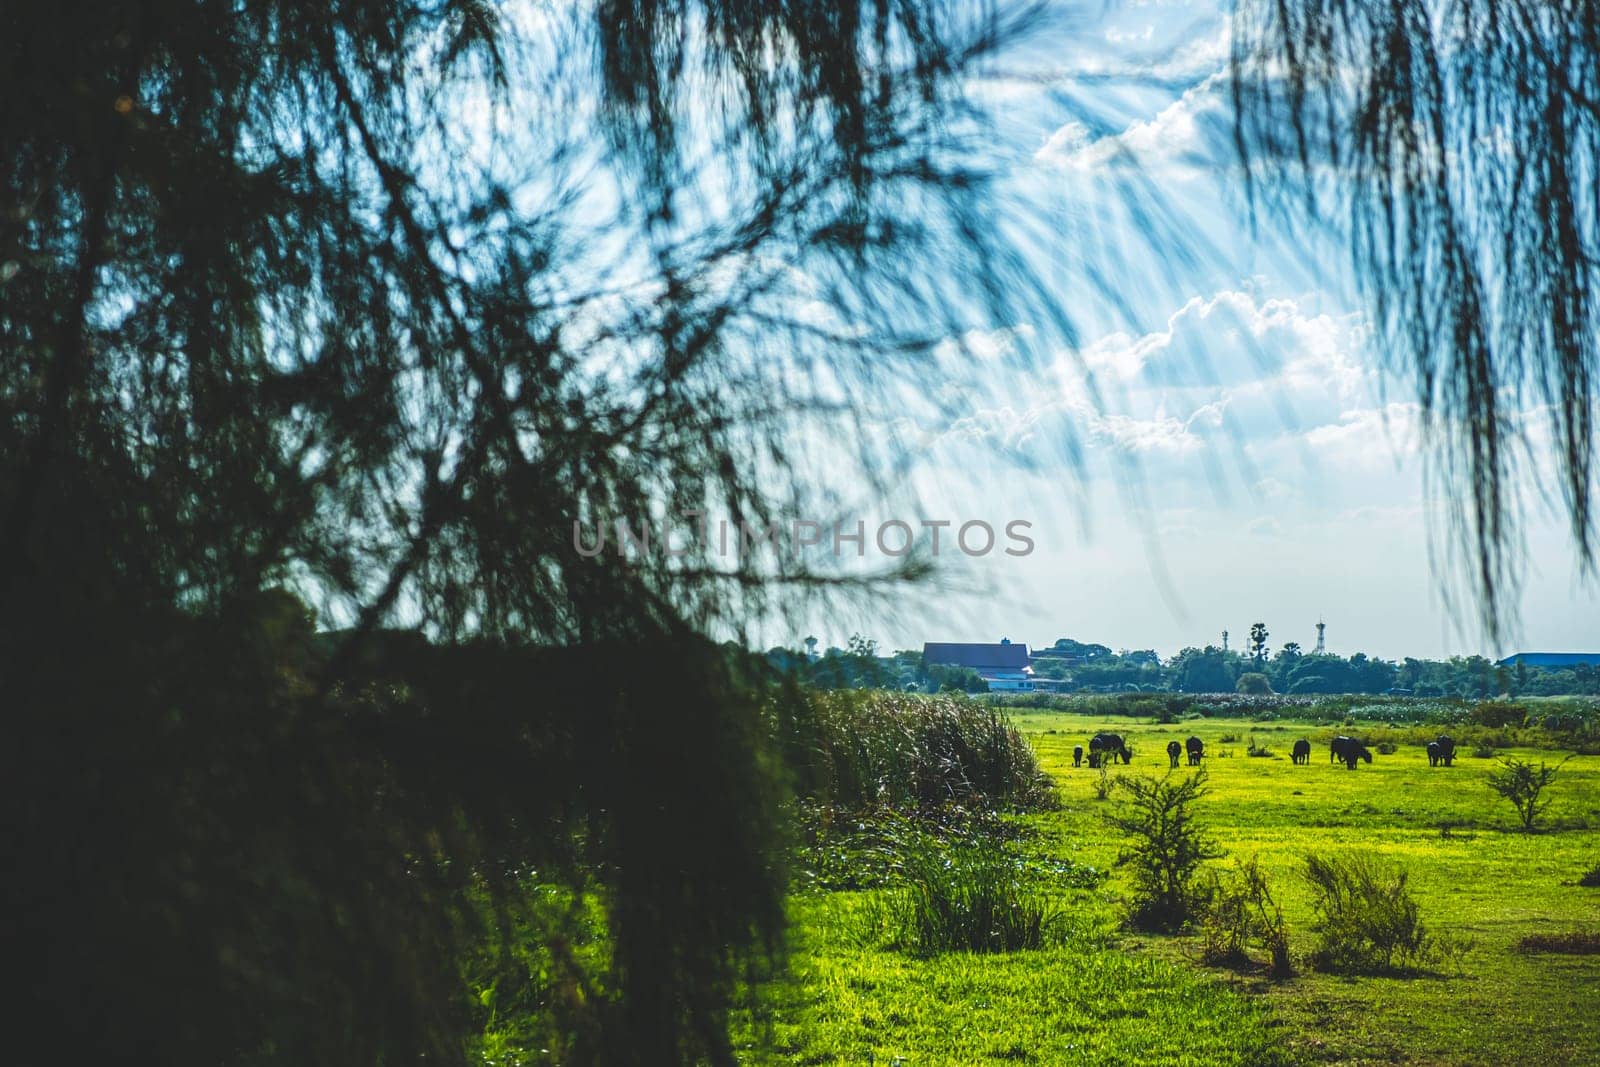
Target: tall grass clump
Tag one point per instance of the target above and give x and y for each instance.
(970, 896)
(863, 751)
(1367, 920)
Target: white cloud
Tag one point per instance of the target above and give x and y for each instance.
(1188, 136)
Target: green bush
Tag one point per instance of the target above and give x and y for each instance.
(1497, 714)
(1253, 683)
(1240, 911)
(1367, 920)
(1169, 845)
(971, 896)
(1483, 752)
(1591, 877)
(1259, 751)
(1522, 785)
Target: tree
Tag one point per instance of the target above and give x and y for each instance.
(1169, 846)
(397, 309)
(1521, 784)
(1204, 670)
(1258, 643)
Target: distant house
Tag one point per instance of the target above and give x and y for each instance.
(1553, 661)
(1004, 666)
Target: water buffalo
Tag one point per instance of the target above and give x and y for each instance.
(1447, 749)
(1174, 750)
(1302, 751)
(1433, 753)
(1110, 747)
(1196, 749)
(1077, 755)
(1348, 749)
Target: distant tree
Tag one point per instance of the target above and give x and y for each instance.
(1258, 643)
(1206, 670)
(1254, 684)
(949, 679)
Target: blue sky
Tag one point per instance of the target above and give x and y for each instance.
(1248, 459)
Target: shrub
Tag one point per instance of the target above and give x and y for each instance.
(1387, 748)
(1241, 910)
(1254, 749)
(1169, 846)
(1253, 683)
(963, 897)
(1497, 713)
(1484, 752)
(1228, 739)
(1573, 943)
(1104, 783)
(1367, 920)
(1591, 877)
(1522, 785)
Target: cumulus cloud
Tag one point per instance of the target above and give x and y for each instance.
(1189, 136)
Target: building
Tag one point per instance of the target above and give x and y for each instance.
(1553, 661)
(1003, 666)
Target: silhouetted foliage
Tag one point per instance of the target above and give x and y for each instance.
(1453, 145)
(378, 304)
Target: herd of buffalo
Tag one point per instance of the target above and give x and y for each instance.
(1108, 748)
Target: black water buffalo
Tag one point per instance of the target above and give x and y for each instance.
(1302, 751)
(1196, 749)
(1110, 747)
(1077, 755)
(1348, 749)
(1433, 753)
(1447, 749)
(1174, 750)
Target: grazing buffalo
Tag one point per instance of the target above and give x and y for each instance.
(1302, 751)
(1196, 749)
(1174, 750)
(1447, 749)
(1348, 749)
(1077, 755)
(1433, 753)
(1110, 747)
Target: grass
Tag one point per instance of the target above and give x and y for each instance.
(1100, 994)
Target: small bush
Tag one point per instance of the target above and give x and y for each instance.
(1228, 739)
(1259, 751)
(1497, 713)
(1591, 877)
(1104, 783)
(1241, 910)
(1572, 943)
(1367, 920)
(1169, 846)
(963, 897)
(1387, 748)
(1522, 785)
(1483, 752)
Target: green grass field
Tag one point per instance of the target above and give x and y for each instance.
(1101, 994)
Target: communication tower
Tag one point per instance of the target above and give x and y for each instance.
(1321, 643)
